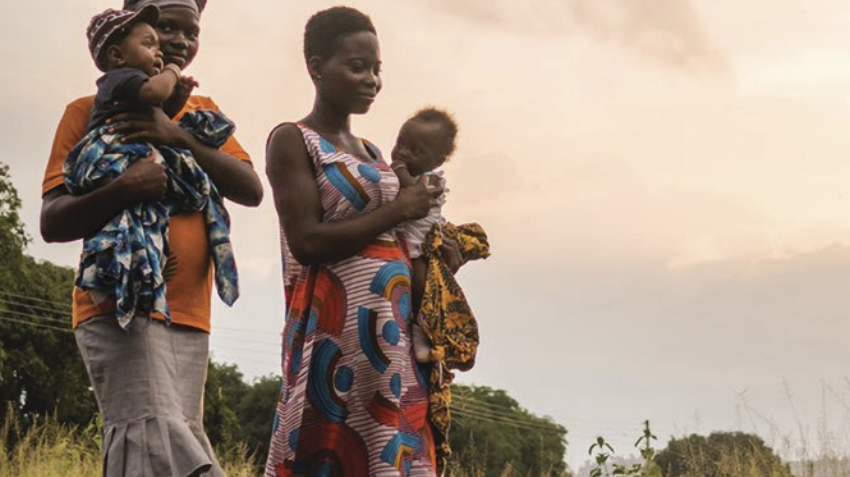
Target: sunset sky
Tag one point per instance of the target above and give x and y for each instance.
(664, 182)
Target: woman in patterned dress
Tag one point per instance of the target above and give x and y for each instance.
(352, 401)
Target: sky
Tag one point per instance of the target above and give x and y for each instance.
(664, 184)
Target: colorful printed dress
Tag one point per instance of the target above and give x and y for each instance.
(353, 401)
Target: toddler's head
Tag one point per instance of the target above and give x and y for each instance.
(426, 140)
(126, 39)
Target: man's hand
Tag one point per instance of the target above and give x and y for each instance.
(144, 181)
(152, 126)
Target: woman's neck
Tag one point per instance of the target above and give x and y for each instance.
(329, 119)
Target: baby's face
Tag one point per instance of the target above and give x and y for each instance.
(421, 146)
(140, 49)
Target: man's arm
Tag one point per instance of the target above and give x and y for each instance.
(65, 217)
(235, 179)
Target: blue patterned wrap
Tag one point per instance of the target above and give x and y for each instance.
(125, 260)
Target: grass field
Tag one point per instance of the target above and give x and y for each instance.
(53, 450)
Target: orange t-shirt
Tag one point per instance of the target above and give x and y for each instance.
(189, 286)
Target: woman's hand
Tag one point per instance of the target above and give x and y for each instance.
(417, 199)
(152, 126)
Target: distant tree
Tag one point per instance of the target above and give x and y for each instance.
(238, 413)
(491, 434)
(223, 390)
(256, 412)
(41, 371)
(721, 454)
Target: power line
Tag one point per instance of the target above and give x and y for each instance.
(242, 330)
(513, 422)
(485, 412)
(465, 398)
(29, 323)
(461, 396)
(37, 317)
(246, 350)
(35, 307)
(244, 340)
(42, 300)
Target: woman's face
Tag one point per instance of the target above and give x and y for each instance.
(178, 30)
(351, 78)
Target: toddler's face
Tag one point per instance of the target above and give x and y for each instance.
(421, 146)
(141, 49)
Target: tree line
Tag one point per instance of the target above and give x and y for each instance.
(42, 374)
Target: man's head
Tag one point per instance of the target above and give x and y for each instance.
(178, 29)
(123, 38)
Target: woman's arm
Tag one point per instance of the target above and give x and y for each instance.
(296, 198)
(66, 217)
(235, 179)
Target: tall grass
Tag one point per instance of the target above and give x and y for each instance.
(51, 449)
(48, 449)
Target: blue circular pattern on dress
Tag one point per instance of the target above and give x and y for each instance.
(293, 438)
(404, 306)
(391, 332)
(395, 385)
(369, 173)
(344, 379)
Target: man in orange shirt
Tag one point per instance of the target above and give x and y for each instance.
(134, 374)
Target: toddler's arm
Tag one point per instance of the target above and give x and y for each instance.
(160, 87)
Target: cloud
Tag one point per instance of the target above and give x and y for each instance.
(666, 31)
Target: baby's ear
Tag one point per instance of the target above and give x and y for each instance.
(114, 56)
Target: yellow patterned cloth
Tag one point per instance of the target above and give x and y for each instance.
(448, 322)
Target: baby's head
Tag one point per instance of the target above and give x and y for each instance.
(126, 39)
(426, 140)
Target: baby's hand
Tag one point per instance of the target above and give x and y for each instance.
(405, 179)
(174, 104)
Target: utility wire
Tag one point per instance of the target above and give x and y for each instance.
(486, 413)
(516, 423)
(29, 323)
(37, 317)
(64, 305)
(35, 307)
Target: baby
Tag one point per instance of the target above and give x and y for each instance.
(424, 143)
(123, 265)
(445, 332)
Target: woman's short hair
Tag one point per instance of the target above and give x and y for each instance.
(326, 29)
